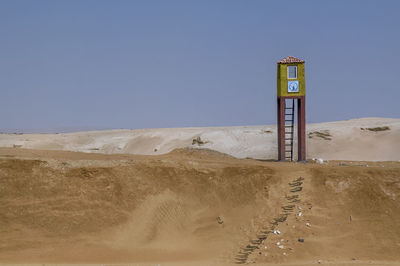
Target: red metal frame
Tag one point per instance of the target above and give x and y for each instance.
(301, 127)
(281, 128)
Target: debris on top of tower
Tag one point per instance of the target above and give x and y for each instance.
(290, 60)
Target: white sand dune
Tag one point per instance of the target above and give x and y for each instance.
(344, 140)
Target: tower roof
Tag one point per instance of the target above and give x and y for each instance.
(290, 60)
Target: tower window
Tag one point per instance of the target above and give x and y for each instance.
(292, 72)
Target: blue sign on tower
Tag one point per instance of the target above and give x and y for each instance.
(293, 86)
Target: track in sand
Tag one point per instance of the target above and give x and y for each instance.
(195, 207)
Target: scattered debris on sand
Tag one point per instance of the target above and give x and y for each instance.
(325, 135)
(376, 129)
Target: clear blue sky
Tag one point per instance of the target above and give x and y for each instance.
(147, 64)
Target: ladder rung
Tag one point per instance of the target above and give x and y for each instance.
(289, 139)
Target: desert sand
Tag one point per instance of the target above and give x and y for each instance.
(343, 140)
(186, 204)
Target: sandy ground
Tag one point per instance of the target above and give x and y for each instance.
(192, 196)
(344, 140)
(195, 207)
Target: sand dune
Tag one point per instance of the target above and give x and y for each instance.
(344, 140)
(195, 207)
(180, 197)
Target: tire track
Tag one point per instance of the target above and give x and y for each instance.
(291, 199)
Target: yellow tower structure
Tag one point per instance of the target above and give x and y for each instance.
(291, 87)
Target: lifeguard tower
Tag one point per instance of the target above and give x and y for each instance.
(291, 89)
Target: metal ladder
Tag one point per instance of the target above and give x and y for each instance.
(289, 131)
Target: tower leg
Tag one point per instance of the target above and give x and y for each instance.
(301, 128)
(281, 129)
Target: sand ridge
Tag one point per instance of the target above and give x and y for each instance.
(353, 139)
(194, 207)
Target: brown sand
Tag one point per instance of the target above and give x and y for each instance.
(195, 207)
